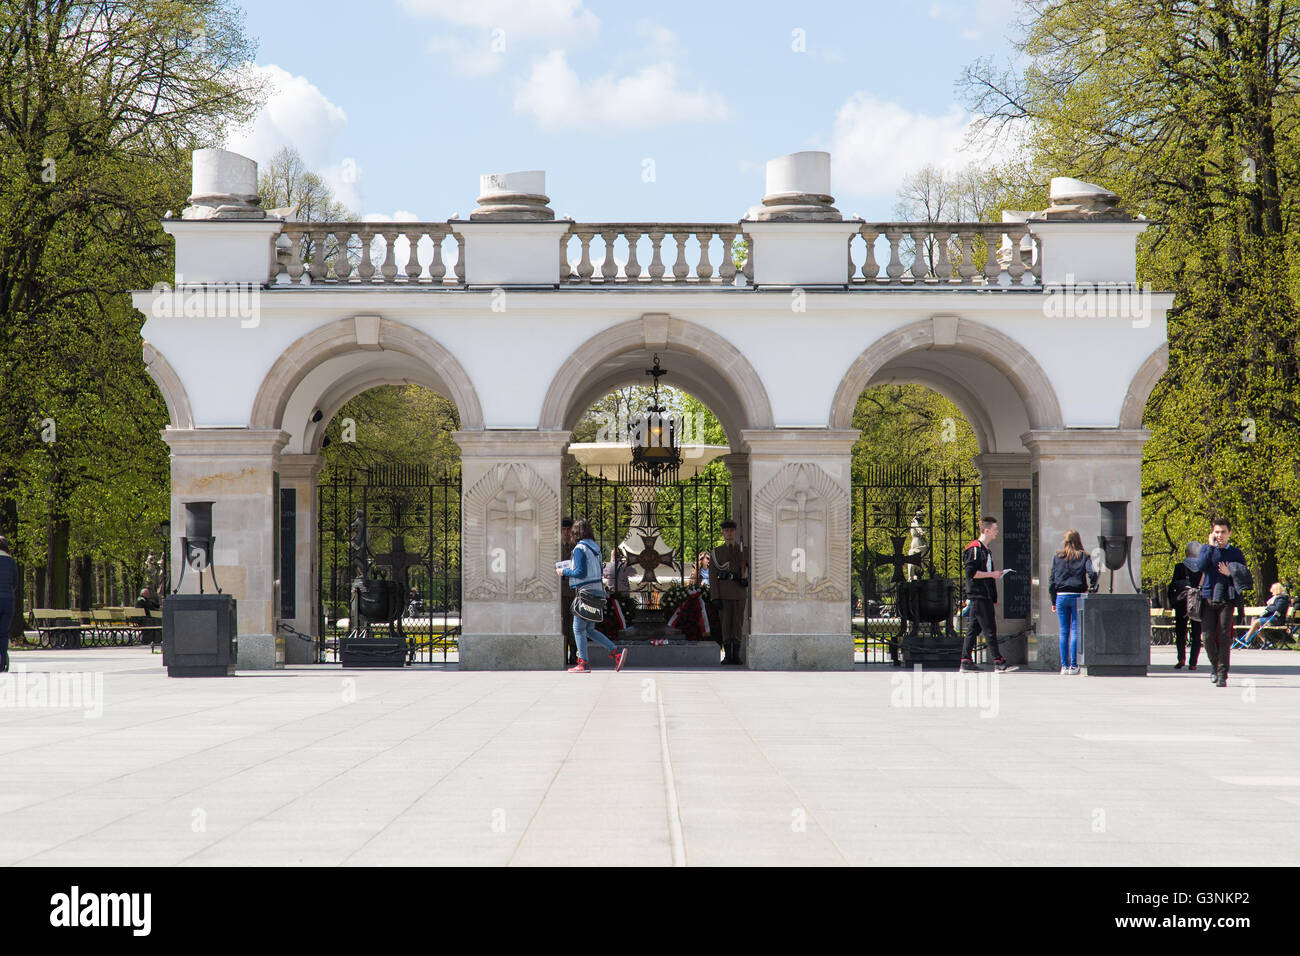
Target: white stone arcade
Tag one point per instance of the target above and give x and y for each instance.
(1034, 327)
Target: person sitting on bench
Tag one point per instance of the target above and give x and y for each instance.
(1274, 614)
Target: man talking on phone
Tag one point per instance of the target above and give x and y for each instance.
(1223, 577)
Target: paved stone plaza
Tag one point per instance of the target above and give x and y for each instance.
(323, 766)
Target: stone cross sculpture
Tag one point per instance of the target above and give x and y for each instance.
(400, 561)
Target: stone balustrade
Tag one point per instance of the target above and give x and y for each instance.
(652, 254)
(938, 254)
(889, 254)
(354, 253)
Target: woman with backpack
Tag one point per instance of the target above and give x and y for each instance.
(590, 589)
(1185, 580)
(1072, 575)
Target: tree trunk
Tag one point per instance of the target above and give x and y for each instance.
(86, 580)
(57, 531)
(40, 597)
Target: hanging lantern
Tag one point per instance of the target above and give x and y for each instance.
(656, 454)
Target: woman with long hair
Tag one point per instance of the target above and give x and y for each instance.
(586, 577)
(1072, 575)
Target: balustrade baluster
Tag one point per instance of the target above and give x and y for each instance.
(366, 269)
(608, 267)
(342, 265)
(920, 268)
(585, 268)
(389, 269)
(1016, 262)
(870, 268)
(656, 263)
(942, 263)
(437, 268)
(413, 255)
(460, 257)
(966, 270)
(633, 268)
(727, 268)
(680, 268)
(316, 252)
(566, 269)
(704, 271)
(1037, 262)
(295, 266)
(992, 268)
(895, 268)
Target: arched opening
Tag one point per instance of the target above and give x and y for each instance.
(658, 533)
(942, 406)
(369, 406)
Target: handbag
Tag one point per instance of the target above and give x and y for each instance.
(589, 604)
(1194, 604)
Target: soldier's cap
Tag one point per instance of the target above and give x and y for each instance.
(566, 523)
(728, 523)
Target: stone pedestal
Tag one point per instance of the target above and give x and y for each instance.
(998, 473)
(510, 529)
(235, 469)
(1115, 635)
(1074, 470)
(300, 473)
(800, 547)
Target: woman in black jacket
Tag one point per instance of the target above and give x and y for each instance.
(1072, 575)
(1185, 580)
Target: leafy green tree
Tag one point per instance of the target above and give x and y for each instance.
(100, 105)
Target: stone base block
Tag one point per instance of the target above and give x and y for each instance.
(511, 652)
(676, 654)
(298, 650)
(799, 652)
(1015, 650)
(1114, 635)
(257, 652)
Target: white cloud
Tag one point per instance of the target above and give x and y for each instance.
(486, 31)
(876, 144)
(557, 98)
(296, 114)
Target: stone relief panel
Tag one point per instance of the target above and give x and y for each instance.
(511, 520)
(801, 536)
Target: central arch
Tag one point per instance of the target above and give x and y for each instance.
(706, 364)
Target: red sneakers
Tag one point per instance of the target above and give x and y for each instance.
(580, 668)
(620, 658)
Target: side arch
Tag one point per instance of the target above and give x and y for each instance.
(338, 338)
(1139, 390)
(711, 349)
(1026, 376)
(173, 389)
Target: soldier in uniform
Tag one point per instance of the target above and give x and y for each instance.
(566, 595)
(728, 585)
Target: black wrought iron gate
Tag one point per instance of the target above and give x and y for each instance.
(413, 521)
(653, 532)
(907, 523)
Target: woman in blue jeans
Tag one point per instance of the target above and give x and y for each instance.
(1072, 575)
(585, 573)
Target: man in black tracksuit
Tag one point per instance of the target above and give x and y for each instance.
(982, 589)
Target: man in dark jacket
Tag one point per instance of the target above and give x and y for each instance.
(8, 599)
(728, 584)
(1221, 567)
(566, 595)
(982, 589)
(1185, 579)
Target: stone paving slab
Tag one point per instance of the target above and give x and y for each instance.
(326, 766)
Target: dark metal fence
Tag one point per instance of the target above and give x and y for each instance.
(413, 518)
(897, 511)
(685, 517)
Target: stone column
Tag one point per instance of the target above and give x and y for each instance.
(738, 466)
(300, 472)
(800, 549)
(510, 531)
(1000, 471)
(235, 469)
(1073, 470)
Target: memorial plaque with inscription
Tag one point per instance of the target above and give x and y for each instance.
(1017, 551)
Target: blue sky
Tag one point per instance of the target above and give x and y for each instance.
(637, 112)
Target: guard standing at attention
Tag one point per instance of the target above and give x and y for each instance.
(729, 586)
